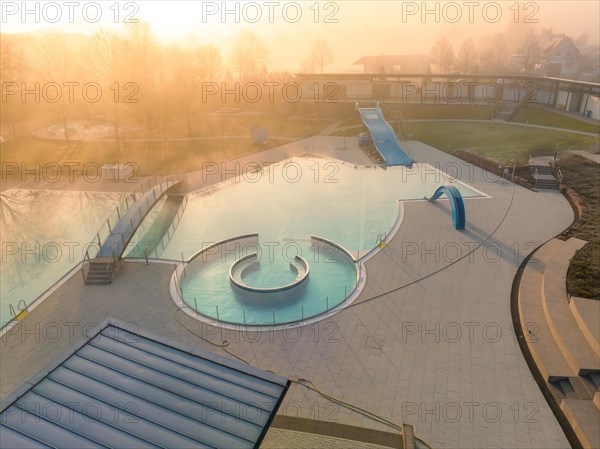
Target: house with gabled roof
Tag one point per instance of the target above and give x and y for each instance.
(559, 55)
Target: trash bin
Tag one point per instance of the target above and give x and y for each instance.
(587, 114)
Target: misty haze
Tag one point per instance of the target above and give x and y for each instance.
(311, 224)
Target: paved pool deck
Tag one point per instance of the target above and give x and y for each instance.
(428, 342)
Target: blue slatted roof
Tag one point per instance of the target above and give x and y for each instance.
(122, 389)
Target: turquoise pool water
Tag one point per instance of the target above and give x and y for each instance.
(351, 206)
(44, 234)
(207, 288)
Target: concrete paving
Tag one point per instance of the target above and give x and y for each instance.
(429, 341)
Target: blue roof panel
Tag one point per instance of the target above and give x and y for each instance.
(122, 389)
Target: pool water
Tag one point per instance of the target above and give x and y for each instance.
(44, 234)
(286, 204)
(349, 205)
(207, 288)
(270, 274)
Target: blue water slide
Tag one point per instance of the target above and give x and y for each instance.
(457, 203)
(384, 137)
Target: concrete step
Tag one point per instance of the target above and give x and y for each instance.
(588, 385)
(547, 355)
(584, 416)
(565, 329)
(583, 388)
(546, 184)
(99, 271)
(586, 313)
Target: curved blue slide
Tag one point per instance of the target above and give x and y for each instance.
(384, 137)
(456, 201)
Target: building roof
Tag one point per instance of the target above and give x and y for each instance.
(392, 60)
(122, 389)
(556, 41)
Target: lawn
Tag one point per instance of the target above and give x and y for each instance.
(434, 111)
(540, 116)
(150, 157)
(496, 141)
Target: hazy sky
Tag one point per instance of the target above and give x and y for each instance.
(352, 27)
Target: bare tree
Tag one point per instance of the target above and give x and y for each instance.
(13, 73)
(320, 56)
(144, 56)
(443, 55)
(56, 62)
(530, 50)
(500, 50)
(185, 77)
(106, 58)
(249, 56)
(210, 62)
(467, 55)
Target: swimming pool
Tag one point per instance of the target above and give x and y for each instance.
(354, 207)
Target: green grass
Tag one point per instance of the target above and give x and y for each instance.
(539, 116)
(150, 157)
(494, 141)
(444, 111)
(434, 111)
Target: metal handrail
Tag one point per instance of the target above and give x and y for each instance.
(167, 237)
(139, 191)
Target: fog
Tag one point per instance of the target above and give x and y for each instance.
(351, 28)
